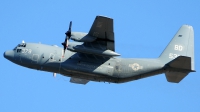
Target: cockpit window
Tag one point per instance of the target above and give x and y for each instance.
(22, 45)
(15, 48)
(18, 47)
(19, 50)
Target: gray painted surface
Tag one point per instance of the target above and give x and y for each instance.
(96, 59)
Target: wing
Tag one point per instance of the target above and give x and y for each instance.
(78, 81)
(102, 29)
(99, 41)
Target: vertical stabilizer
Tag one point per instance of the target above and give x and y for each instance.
(182, 44)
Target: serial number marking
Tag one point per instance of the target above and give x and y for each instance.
(173, 56)
(26, 51)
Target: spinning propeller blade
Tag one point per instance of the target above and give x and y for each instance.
(68, 35)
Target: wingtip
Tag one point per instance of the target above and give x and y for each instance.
(104, 16)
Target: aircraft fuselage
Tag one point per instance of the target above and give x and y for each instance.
(84, 66)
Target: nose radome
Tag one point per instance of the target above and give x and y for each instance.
(9, 55)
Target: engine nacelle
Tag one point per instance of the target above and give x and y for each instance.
(82, 37)
(89, 50)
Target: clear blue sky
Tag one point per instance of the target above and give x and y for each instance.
(142, 30)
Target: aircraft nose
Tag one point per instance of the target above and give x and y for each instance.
(9, 55)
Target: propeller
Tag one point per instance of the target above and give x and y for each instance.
(68, 35)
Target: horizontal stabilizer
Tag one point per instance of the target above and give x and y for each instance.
(178, 69)
(79, 81)
(181, 62)
(175, 77)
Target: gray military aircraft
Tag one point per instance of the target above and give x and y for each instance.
(93, 58)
